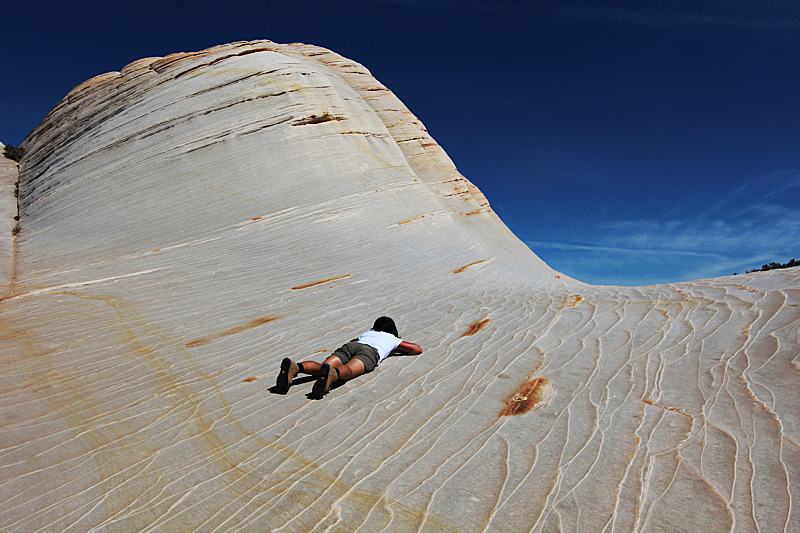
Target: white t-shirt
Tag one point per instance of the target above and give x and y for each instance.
(383, 342)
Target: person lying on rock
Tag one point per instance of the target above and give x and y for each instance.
(351, 360)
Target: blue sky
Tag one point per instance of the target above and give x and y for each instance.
(627, 142)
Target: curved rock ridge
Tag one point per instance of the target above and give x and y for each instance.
(191, 220)
(201, 123)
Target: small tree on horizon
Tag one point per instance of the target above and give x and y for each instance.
(773, 265)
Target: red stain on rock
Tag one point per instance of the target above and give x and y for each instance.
(475, 327)
(249, 380)
(320, 282)
(202, 341)
(572, 300)
(462, 269)
(250, 325)
(410, 220)
(199, 342)
(530, 393)
(648, 401)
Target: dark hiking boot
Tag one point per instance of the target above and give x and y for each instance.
(286, 375)
(327, 375)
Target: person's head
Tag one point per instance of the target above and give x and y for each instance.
(386, 325)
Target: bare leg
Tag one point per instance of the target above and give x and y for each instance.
(353, 368)
(311, 367)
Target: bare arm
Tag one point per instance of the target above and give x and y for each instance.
(409, 347)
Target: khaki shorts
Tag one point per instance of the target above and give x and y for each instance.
(363, 352)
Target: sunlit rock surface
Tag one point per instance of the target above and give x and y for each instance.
(191, 220)
(8, 210)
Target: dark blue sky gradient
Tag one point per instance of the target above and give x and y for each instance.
(625, 142)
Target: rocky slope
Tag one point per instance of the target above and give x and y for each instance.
(8, 210)
(191, 220)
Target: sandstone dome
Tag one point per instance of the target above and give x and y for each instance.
(189, 221)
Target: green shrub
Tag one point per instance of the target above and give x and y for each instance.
(14, 153)
(773, 265)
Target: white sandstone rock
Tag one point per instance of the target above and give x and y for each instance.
(190, 221)
(8, 210)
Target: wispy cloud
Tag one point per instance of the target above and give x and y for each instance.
(742, 232)
(758, 191)
(619, 250)
(763, 18)
(791, 183)
(773, 228)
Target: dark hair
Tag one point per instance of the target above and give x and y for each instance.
(385, 324)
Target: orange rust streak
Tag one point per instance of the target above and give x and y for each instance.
(249, 380)
(202, 341)
(474, 212)
(475, 327)
(198, 342)
(462, 269)
(410, 220)
(320, 282)
(526, 398)
(667, 407)
(250, 325)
